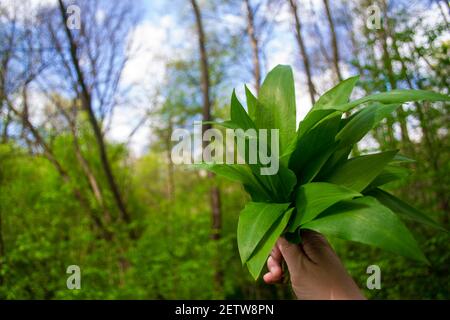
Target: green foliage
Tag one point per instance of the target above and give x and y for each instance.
(276, 104)
(365, 220)
(326, 196)
(357, 173)
(315, 197)
(259, 257)
(402, 208)
(338, 95)
(395, 97)
(254, 222)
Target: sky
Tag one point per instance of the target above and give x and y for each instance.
(165, 33)
(160, 32)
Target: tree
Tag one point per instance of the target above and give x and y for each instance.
(304, 54)
(254, 44)
(22, 64)
(383, 34)
(87, 104)
(334, 40)
(205, 86)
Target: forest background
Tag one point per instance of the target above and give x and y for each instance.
(87, 109)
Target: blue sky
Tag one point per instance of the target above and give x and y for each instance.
(166, 33)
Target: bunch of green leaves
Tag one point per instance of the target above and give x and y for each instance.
(318, 187)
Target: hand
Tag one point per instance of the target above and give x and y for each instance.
(316, 272)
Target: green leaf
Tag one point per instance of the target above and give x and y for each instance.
(285, 183)
(390, 173)
(401, 159)
(397, 97)
(240, 173)
(276, 107)
(226, 124)
(312, 146)
(238, 114)
(403, 209)
(284, 158)
(280, 185)
(338, 95)
(365, 220)
(313, 167)
(254, 222)
(257, 261)
(252, 103)
(337, 158)
(357, 173)
(293, 237)
(311, 119)
(362, 122)
(315, 197)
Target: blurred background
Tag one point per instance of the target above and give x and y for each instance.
(90, 92)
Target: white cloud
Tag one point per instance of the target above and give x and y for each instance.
(153, 43)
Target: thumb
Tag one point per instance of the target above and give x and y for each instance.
(291, 253)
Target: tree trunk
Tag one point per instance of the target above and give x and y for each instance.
(336, 62)
(87, 106)
(93, 183)
(334, 43)
(317, 34)
(387, 62)
(170, 169)
(433, 157)
(214, 192)
(5, 127)
(255, 46)
(48, 153)
(2, 249)
(304, 54)
(356, 57)
(90, 176)
(348, 14)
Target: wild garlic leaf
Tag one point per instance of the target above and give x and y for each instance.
(313, 167)
(362, 122)
(276, 104)
(311, 145)
(313, 198)
(402, 208)
(252, 103)
(311, 119)
(389, 174)
(401, 159)
(338, 95)
(395, 97)
(280, 185)
(258, 259)
(338, 157)
(238, 114)
(255, 220)
(226, 124)
(357, 173)
(243, 174)
(367, 221)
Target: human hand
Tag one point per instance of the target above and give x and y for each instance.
(316, 272)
